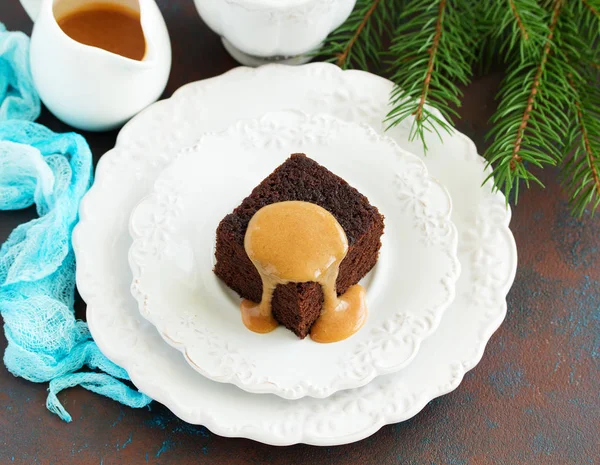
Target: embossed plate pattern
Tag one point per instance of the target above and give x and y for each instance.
(172, 256)
(126, 174)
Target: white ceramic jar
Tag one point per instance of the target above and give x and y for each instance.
(89, 87)
(256, 32)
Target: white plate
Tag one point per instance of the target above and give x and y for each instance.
(173, 250)
(126, 174)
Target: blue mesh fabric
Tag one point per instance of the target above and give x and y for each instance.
(37, 264)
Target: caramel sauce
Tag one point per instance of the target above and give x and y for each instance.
(301, 242)
(114, 28)
(342, 318)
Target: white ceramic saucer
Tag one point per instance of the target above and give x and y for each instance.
(127, 173)
(172, 256)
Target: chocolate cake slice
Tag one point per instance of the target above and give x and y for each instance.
(298, 305)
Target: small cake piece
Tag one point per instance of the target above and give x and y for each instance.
(298, 305)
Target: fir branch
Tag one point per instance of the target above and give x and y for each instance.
(532, 119)
(343, 56)
(588, 13)
(549, 101)
(582, 169)
(517, 16)
(516, 24)
(432, 49)
(515, 157)
(358, 43)
(593, 9)
(432, 56)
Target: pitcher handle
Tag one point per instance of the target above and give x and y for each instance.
(32, 7)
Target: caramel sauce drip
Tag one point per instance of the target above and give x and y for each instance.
(114, 28)
(342, 318)
(301, 242)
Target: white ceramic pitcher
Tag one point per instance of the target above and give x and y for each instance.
(88, 87)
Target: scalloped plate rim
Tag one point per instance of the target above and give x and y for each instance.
(95, 309)
(304, 388)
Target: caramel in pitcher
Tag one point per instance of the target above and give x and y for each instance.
(111, 27)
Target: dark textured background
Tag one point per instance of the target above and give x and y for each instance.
(533, 399)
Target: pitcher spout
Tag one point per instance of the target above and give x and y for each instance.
(148, 20)
(151, 23)
(91, 87)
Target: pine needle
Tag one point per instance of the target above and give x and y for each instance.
(533, 114)
(581, 170)
(582, 167)
(432, 50)
(517, 25)
(358, 42)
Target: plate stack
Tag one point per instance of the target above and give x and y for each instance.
(145, 256)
